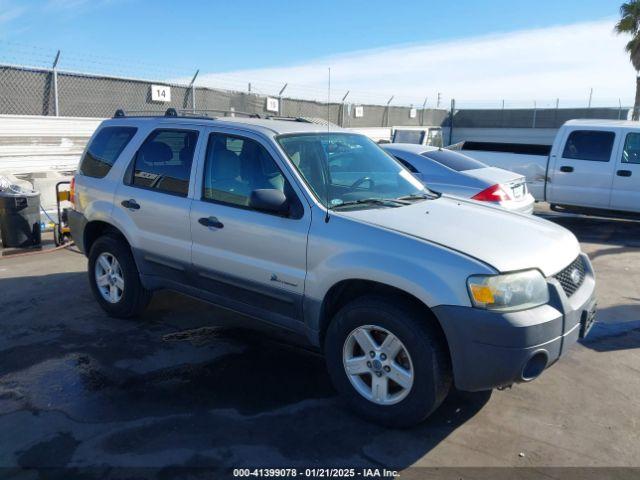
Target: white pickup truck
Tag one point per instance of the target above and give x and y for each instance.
(592, 164)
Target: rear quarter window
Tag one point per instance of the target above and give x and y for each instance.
(104, 150)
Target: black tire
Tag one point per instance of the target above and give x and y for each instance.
(135, 297)
(424, 342)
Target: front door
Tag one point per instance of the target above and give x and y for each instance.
(582, 172)
(155, 197)
(251, 261)
(625, 192)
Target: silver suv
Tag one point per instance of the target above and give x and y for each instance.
(321, 232)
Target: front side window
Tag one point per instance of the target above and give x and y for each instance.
(342, 168)
(164, 160)
(591, 145)
(104, 150)
(631, 152)
(236, 166)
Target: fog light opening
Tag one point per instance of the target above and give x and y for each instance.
(534, 366)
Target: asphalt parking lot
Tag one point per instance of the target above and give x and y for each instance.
(186, 386)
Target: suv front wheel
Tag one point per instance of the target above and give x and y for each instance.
(387, 360)
(114, 278)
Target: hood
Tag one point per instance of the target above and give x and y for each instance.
(494, 175)
(507, 241)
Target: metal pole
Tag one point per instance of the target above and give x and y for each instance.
(193, 92)
(590, 97)
(535, 112)
(387, 119)
(56, 110)
(453, 110)
(280, 109)
(619, 109)
(342, 115)
(249, 87)
(424, 106)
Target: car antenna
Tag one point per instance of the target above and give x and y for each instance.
(326, 182)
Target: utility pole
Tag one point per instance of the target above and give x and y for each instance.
(439, 98)
(249, 87)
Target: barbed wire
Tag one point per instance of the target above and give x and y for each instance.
(19, 54)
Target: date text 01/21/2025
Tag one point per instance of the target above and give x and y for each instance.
(315, 472)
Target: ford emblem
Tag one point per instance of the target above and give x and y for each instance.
(575, 276)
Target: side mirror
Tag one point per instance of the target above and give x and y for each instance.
(269, 200)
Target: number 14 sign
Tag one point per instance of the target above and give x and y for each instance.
(160, 93)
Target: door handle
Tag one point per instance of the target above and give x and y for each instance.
(211, 222)
(131, 204)
(623, 173)
(566, 169)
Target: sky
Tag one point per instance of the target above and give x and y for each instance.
(478, 52)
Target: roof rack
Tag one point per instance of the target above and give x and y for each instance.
(173, 112)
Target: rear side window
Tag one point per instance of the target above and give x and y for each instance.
(453, 160)
(104, 150)
(164, 160)
(408, 136)
(589, 145)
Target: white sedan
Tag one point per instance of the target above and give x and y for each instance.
(453, 173)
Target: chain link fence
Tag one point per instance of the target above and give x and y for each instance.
(40, 91)
(46, 91)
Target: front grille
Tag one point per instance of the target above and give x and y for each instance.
(565, 277)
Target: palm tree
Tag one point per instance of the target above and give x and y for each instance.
(630, 24)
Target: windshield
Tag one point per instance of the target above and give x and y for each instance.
(348, 169)
(454, 160)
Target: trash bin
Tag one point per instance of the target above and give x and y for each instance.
(19, 217)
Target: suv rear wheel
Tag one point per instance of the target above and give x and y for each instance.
(114, 278)
(387, 361)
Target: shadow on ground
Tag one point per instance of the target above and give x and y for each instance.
(185, 386)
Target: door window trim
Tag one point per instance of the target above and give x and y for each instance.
(202, 197)
(127, 178)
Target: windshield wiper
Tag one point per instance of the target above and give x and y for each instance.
(418, 196)
(371, 201)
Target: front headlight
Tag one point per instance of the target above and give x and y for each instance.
(511, 291)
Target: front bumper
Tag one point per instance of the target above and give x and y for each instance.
(491, 349)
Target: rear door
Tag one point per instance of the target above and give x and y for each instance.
(582, 169)
(625, 193)
(252, 261)
(154, 195)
